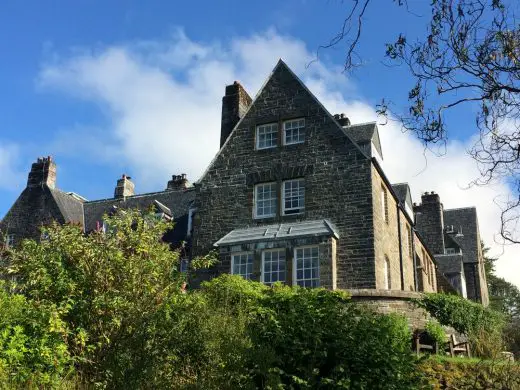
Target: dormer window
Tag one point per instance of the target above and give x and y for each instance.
(451, 251)
(293, 196)
(267, 136)
(294, 131)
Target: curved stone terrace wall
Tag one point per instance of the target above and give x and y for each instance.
(393, 301)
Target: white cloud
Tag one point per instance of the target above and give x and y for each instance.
(10, 177)
(163, 100)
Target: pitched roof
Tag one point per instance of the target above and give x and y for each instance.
(365, 134)
(402, 190)
(280, 66)
(450, 264)
(464, 221)
(282, 231)
(177, 202)
(71, 208)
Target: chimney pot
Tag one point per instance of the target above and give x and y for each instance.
(124, 187)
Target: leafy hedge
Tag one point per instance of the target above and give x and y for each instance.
(470, 374)
(482, 325)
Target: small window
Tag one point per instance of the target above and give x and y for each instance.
(242, 264)
(183, 265)
(9, 240)
(294, 131)
(388, 276)
(384, 203)
(450, 251)
(267, 136)
(293, 196)
(410, 240)
(273, 266)
(266, 200)
(307, 267)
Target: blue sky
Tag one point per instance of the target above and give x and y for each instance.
(136, 87)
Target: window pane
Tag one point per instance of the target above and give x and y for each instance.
(266, 136)
(307, 267)
(265, 200)
(294, 196)
(243, 265)
(294, 131)
(274, 266)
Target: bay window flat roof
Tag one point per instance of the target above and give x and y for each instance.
(280, 231)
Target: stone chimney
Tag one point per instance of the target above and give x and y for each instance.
(342, 119)
(43, 173)
(124, 187)
(235, 103)
(178, 182)
(430, 221)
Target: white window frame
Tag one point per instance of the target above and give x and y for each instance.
(295, 268)
(255, 202)
(273, 129)
(300, 129)
(262, 275)
(300, 210)
(451, 251)
(239, 254)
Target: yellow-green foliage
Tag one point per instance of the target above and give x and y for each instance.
(470, 374)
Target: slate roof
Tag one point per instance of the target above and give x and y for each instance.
(71, 208)
(281, 231)
(177, 202)
(450, 264)
(364, 134)
(402, 190)
(464, 220)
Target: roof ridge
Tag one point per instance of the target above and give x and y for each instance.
(362, 123)
(462, 208)
(141, 195)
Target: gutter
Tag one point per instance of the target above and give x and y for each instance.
(401, 270)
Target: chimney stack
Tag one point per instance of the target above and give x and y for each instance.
(342, 119)
(125, 187)
(178, 182)
(430, 221)
(43, 172)
(235, 103)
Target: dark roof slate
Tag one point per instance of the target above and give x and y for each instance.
(364, 134)
(464, 220)
(177, 201)
(402, 190)
(71, 208)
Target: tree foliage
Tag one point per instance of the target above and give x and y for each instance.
(469, 56)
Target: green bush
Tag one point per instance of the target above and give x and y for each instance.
(482, 325)
(32, 343)
(436, 331)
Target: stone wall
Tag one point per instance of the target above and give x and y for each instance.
(391, 301)
(337, 175)
(385, 233)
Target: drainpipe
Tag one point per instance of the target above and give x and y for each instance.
(401, 270)
(414, 260)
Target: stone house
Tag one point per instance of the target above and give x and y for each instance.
(295, 195)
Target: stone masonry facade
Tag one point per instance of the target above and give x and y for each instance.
(334, 219)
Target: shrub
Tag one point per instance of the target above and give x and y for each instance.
(436, 331)
(482, 325)
(32, 343)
